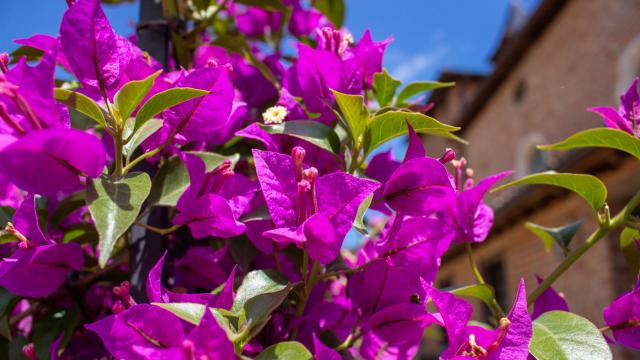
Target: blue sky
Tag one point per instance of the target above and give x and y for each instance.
(429, 35)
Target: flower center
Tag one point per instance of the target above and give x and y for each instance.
(275, 114)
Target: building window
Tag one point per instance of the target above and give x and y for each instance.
(520, 91)
(493, 273)
(537, 161)
(529, 159)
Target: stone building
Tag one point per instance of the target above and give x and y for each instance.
(566, 56)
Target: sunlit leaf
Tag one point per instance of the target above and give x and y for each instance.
(81, 103)
(561, 335)
(415, 88)
(114, 205)
(588, 187)
(392, 124)
(599, 137)
(384, 87)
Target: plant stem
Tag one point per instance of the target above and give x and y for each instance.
(118, 153)
(604, 228)
(158, 230)
(306, 290)
(495, 307)
(473, 265)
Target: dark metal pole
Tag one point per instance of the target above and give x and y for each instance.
(146, 247)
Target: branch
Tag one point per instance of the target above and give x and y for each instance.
(603, 229)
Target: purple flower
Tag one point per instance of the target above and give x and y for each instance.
(303, 21)
(253, 87)
(145, 332)
(364, 60)
(214, 201)
(509, 341)
(48, 45)
(623, 317)
(311, 211)
(65, 155)
(39, 266)
(256, 22)
(97, 56)
(469, 217)
(395, 332)
(627, 115)
(39, 134)
(203, 117)
(549, 300)
(201, 267)
(157, 293)
(313, 75)
(419, 187)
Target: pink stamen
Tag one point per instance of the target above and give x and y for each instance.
(29, 351)
(123, 291)
(4, 62)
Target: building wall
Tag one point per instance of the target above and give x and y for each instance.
(589, 285)
(575, 64)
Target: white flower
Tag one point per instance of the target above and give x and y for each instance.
(275, 114)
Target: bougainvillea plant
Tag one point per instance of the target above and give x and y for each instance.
(241, 165)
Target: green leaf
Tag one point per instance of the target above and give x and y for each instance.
(392, 124)
(629, 245)
(193, 312)
(6, 214)
(358, 223)
(261, 292)
(354, 112)
(164, 100)
(172, 178)
(132, 93)
(81, 103)
(415, 88)
(561, 335)
(588, 187)
(482, 292)
(147, 129)
(286, 350)
(561, 235)
(80, 233)
(312, 131)
(265, 4)
(114, 205)
(189, 312)
(68, 205)
(243, 252)
(599, 137)
(384, 87)
(333, 9)
(48, 328)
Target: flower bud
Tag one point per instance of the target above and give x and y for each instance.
(298, 153)
(332, 40)
(4, 62)
(29, 352)
(449, 155)
(189, 349)
(310, 174)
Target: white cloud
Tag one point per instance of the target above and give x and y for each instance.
(418, 65)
